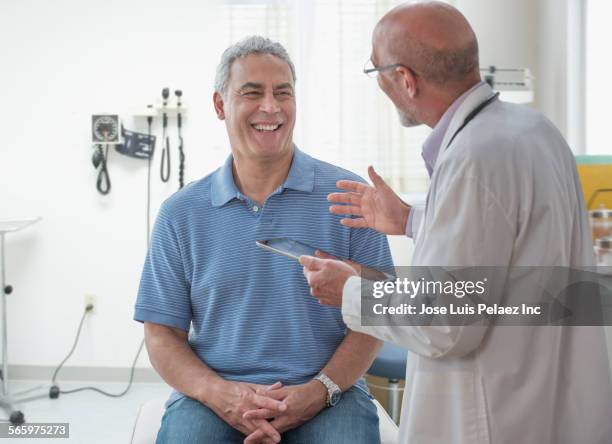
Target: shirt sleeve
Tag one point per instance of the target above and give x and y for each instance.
(164, 293)
(370, 248)
(414, 220)
(468, 227)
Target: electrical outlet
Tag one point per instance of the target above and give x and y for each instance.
(91, 299)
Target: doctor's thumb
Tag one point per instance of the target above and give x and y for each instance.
(377, 181)
(310, 262)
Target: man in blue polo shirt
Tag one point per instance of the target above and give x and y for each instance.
(258, 340)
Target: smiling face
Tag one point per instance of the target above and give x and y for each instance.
(258, 107)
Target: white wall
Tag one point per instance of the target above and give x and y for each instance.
(551, 44)
(526, 34)
(506, 31)
(62, 61)
(541, 35)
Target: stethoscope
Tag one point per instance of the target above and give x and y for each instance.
(472, 115)
(467, 120)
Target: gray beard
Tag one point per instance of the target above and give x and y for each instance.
(406, 120)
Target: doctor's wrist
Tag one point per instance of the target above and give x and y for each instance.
(404, 217)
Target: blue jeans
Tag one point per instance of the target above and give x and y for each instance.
(353, 421)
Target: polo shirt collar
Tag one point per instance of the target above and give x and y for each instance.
(302, 172)
(300, 178)
(223, 189)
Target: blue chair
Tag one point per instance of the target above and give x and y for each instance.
(391, 364)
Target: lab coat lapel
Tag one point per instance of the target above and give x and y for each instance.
(475, 98)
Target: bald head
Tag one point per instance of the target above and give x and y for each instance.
(432, 38)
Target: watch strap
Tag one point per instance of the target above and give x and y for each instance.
(331, 386)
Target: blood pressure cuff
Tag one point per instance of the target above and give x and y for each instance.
(138, 145)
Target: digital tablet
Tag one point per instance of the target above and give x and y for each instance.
(287, 247)
(294, 249)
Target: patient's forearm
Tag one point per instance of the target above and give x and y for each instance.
(352, 359)
(177, 364)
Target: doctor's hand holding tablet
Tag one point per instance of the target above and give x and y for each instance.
(331, 273)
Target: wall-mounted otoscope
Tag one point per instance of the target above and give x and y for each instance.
(178, 93)
(165, 160)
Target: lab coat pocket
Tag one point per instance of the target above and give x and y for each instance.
(447, 406)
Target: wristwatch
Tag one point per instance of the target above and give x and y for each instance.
(333, 391)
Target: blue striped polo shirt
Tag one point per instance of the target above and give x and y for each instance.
(251, 314)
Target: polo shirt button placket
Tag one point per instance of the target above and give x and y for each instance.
(255, 209)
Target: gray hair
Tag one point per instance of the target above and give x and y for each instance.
(441, 66)
(250, 45)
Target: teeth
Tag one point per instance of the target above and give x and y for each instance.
(261, 127)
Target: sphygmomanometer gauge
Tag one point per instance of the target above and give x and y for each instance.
(105, 128)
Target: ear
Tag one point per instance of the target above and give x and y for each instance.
(219, 105)
(409, 79)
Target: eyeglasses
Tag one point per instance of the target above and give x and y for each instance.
(372, 71)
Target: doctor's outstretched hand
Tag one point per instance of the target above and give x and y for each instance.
(326, 277)
(376, 207)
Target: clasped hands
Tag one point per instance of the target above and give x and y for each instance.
(263, 413)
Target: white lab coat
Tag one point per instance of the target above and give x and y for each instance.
(506, 192)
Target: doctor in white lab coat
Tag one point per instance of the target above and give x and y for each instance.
(504, 191)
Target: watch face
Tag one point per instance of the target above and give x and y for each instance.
(334, 398)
